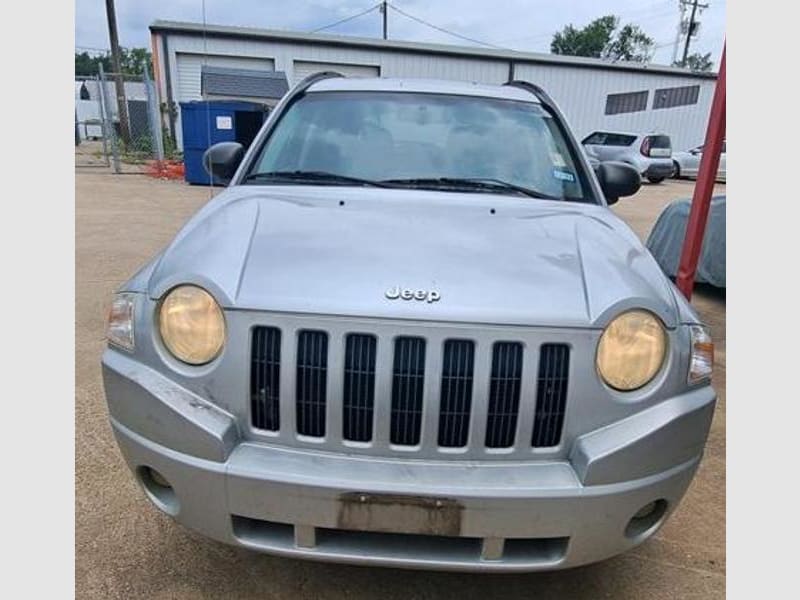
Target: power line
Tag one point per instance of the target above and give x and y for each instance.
(106, 50)
(442, 29)
(361, 14)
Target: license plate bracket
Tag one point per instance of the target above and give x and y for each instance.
(397, 513)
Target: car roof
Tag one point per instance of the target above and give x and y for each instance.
(627, 133)
(423, 86)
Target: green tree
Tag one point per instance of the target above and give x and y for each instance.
(630, 44)
(697, 62)
(588, 41)
(87, 65)
(604, 38)
(132, 61)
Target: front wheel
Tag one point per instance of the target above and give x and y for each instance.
(655, 179)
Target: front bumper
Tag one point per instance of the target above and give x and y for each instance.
(459, 514)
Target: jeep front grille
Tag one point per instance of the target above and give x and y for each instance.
(358, 394)
(408, 379)
(265, 379)
(311, 388)
(504, 388)
(456, 396)
(551, 394)
(412, 393)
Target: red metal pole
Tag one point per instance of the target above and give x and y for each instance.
(706, 176)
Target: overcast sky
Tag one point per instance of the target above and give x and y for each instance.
(515, 24)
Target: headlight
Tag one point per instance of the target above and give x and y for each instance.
(702, 361)
(631, 350)
(120, 321)
(191, 324)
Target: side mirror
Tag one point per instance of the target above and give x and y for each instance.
(695, 151)
(617, 180)
(221, 160)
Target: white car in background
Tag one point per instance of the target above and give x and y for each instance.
(687, 164)
(650, 154)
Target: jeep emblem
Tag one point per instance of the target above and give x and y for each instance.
(396, 292)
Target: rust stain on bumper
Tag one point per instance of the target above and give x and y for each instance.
(399, 514)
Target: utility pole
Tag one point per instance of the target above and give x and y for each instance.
(385, 13)
(678, 32)
(122, 103)
(690, 30)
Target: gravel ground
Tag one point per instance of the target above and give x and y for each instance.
(125, 548)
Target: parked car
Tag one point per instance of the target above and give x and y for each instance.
(650, 154)
(411, 333)
(687, 164)
(665, 241)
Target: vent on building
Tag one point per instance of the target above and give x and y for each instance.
(677, 96)
(626, 103)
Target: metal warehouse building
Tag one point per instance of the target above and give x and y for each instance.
(594, 94)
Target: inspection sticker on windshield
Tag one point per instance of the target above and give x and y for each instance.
(564, 175)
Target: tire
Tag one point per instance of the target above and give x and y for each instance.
(655, 179)
(676, 170)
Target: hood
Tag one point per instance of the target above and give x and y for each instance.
(478, 258)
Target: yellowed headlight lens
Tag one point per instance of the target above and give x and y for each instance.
(631, 350)
(192, 325)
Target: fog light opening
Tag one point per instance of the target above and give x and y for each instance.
(158, 489)
(646, 519)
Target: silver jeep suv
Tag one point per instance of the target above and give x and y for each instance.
(411, 333)
(650, 154)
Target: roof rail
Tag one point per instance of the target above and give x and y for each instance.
(308, 80)
(534, 89)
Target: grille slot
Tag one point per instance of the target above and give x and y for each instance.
(551, 395)
(312, 375)
(408, 381)
(504, 390)
(359, 387)
(265, 378)
(458, 361)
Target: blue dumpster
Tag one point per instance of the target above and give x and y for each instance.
(204, 123)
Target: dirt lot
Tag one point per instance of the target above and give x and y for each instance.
(125, 548)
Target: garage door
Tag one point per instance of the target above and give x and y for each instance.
(303, 68)
(188, 87)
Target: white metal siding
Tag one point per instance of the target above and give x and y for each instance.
(581, 94)
(580, 91)
(188, 84)
(186, 81)
(304, 68)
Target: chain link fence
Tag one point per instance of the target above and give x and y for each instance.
(134, 142)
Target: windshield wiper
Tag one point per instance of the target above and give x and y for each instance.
(471, 183)
(459, 183)
(312, 177)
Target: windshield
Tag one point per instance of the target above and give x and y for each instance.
(417, 139)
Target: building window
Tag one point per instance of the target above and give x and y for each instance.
(677, 96)
(625, 103)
